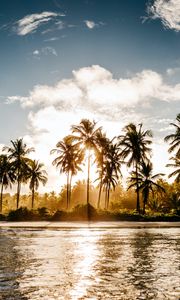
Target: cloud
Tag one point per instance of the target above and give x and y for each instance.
(44, 51)
(30, 23)
(91, 24)
(52, 39)
(167, 11)
(94, 88)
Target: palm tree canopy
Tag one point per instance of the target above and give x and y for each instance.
(85, 133)
(135, 144)
(17, 156)
(69, 156)
(36, 174)
(174, 138)
(176, 165)
(146, 179)
(7, 175)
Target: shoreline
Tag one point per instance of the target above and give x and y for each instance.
(90, 224)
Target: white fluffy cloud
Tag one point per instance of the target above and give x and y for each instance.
(93, 93)
(94, 88)
(30, 23)
(167, 11)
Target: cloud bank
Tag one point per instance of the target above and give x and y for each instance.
(95, 89)
(167, 11)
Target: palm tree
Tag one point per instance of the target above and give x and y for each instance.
(85, 135)
(145, 180)
(7, 176)
(176, 165)
(18, 155)
(135, 144)
(102, 143)
(111, 170)
(174, 138)
(36, 175)
(68, 161)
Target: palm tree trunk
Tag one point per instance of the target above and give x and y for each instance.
(32, 205)
(1, 200)
(106, 198)
(99, 195)
(137, 191)
(88, 178)
(108, 191)
(67, 192)
(70, 182)
(18, 192)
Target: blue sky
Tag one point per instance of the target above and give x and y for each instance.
(114, 61)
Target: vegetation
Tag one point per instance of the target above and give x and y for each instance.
(148, 196)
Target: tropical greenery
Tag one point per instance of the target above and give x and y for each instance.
(88, 144)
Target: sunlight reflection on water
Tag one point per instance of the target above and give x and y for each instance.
(89, 263)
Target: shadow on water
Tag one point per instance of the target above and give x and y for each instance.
(141, 270)
(12, 267)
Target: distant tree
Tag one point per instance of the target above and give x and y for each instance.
(85, 135)
(146, 181)
(7, 176)
(135, 147)
(35, 175)
(174, 138)
(68, 161)
(18, 157)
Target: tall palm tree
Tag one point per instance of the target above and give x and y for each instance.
(18, 155)
(36, 175)
(68, 161)
(7, 176)
(85, 135)
(174, 138)
(111, 170)
(102, 143)
(176, 165)
(135, 147)
(146, 181)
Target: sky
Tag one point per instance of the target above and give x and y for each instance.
(112, 61)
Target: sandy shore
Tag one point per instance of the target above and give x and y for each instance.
(63, 225)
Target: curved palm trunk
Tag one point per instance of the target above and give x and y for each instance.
(32, 204)
(1, 200)
(137, 191)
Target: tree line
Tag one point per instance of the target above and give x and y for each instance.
(132, 148)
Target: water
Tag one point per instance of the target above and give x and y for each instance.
(82, 262)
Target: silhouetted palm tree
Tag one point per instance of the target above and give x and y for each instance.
(101, 152)
(145, 180)
(111, 171)
(18, 156)
(85, 135)
(68, 161)
(175, 165)
(135, 147)
(7, 176)
(36, 175)
(174, 138)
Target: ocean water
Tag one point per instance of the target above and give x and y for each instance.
(78, 261)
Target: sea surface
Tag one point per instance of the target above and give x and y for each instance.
(89, 261)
